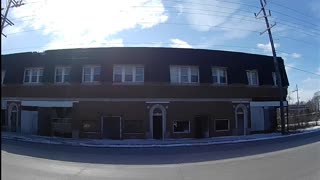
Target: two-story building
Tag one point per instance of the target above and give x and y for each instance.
(135, 92)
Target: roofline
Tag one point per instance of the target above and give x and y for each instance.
(93, 48)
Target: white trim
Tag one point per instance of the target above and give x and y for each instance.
(48, 103)
(91, 73)
(189, 68)
(249, 77)
(11, 105)
(63, 73)
(31, 69)
(215, 127)
(157, 102)
(189, 130)
(245, 116)
(133, 68)
(132, 99)
(267, 103)
(219, 75)
(164, 119)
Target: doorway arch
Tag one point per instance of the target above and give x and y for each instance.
(13, 117)
(241, 117)
(157, 116)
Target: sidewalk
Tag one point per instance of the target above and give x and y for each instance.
(128, 143)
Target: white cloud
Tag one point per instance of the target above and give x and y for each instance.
(89, 23)
(284, 56)
(178, 43)
(267, 47)
(296, 55)
(63, 44)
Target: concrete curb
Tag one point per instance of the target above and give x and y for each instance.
(79, 144)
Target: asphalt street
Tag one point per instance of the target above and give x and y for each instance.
(292, 158)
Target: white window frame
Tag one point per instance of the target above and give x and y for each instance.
(250, 79)
(274, 77)
(3, 73)
(215, 126)
(179, 67)
(189, 130)
(219, 75)
(31, 69)
(91, 73)
(133, 70)
(63, 74)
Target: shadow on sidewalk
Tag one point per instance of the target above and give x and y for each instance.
(153, 156)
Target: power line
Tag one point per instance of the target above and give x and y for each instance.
(312, 33)
(205, 4)
(297, 27)
(301, 20)
(286, 7)
(166, 23)
(138, 43)
(4, 19)
(294, 39)
(303, 70)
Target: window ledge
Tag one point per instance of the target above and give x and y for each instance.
(181, 132)
(185, 84)
(128, 83)
(91, 83)
(33, 84)
(62, 84)
(219, 84)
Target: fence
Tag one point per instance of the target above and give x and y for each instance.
(299, 121)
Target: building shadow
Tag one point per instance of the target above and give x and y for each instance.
(155, 156)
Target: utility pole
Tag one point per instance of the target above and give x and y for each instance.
(4, 20)
(298, 103)
(275, 61)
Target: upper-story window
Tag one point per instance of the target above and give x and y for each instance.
(62, 74)
(33, 75)
(274, 77)
(219, 75)
(252, 76)
(91, 73)
(128, 73)
(184, 74)
(3, 73)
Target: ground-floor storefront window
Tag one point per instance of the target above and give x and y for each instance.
(222, 125)
(181, 126)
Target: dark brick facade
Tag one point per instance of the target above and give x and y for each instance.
(132, 103)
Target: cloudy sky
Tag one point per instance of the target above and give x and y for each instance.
(206, 24)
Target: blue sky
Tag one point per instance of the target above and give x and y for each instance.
(207, 24)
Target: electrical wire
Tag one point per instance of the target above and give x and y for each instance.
(303, 70)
